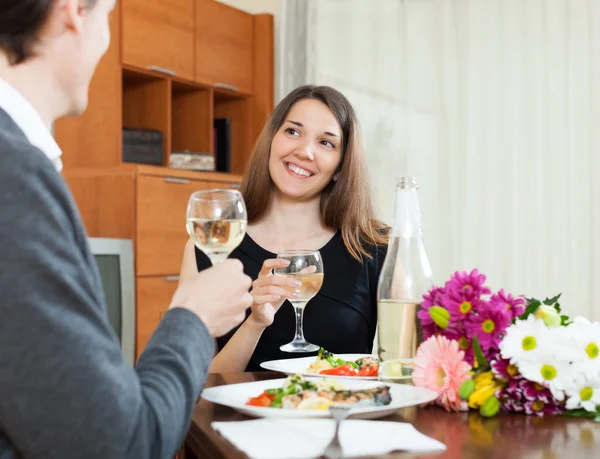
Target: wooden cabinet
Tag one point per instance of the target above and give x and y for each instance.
(159, 35)
(153, 295)
(93, 139)
(224, 46)
(219, 64)
(146, 204)
(160, 231)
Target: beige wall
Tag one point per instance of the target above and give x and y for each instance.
(263, 6)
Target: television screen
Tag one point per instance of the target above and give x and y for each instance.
(110, 272)
(114, 258)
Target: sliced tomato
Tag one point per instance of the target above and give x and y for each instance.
(370, 370)
(342, 370)
(262, 400)
(364, 371)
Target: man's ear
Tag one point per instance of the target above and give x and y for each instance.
(68, 14)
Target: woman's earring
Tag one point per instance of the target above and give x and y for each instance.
(336, 176)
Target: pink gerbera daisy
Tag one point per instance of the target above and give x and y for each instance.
(439, 366)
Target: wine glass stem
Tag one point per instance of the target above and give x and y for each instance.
(299, 308)
(216, 258)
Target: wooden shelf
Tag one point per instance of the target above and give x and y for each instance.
(192, 118)
(192, 175)
(147, 105)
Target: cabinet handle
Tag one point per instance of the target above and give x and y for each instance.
(171, 278)
(156, 68)
(235, 185)
(182, 181)
(227, 86)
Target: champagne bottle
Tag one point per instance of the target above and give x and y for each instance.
(405, 277)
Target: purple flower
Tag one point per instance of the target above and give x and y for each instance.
(540, 408)
(513, 390)
(511, 406)
(516, 306)
(503, 369)
(489, 325)
(435, 297)
(460, 306)
(459, 333)
(521, 395)
(533, 391)
(469, 285)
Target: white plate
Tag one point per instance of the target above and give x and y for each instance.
(236, 395)
(300, 366)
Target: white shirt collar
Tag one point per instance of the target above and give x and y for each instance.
(30, 122)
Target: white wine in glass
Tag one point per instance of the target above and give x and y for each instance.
(216, 222)
(305, 266)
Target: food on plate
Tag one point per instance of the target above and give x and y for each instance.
(328, 363)
(298, 393)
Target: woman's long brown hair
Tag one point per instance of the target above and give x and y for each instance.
(346, 204)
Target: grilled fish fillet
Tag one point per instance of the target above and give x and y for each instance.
(377, 396)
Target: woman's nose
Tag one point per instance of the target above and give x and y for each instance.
(305, 151)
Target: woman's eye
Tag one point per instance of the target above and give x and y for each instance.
(292, 131)
(327, 143)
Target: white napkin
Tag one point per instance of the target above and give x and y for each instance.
(276, 438)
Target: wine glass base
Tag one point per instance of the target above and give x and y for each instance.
(299, 346)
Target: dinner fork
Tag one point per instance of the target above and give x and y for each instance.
(334, 449)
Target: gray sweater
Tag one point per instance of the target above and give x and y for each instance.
(65, 389)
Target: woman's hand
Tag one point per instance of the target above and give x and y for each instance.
(270, 291)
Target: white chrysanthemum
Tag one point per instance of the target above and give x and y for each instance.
(527, 341)
(583, 393)
(557, 374)
(583, 338)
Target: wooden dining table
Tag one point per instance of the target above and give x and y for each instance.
(466, 435)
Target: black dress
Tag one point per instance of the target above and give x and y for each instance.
(342, 317)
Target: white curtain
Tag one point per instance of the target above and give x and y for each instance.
(495, 106)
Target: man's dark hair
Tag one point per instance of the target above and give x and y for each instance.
(20, 23)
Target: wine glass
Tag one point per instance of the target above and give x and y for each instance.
(216, 222)
(307, 267)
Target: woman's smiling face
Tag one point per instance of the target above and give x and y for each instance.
(306, 150)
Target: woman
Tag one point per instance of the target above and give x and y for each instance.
(305, 188)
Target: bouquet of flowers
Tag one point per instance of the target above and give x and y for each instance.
(497, 352)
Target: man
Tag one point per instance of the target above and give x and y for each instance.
(65, 390)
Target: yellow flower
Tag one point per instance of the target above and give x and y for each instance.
(485, 387)
(483, 379)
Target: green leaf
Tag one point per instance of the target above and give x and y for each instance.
(332, 362)
(581, 413)
(481, 360)
(531, 308)
(564, 320)
(551, 301)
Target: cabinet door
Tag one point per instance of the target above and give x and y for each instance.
(224, 43)
(153, 295)
(159, 34)
(161, 231)
(94, 138)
